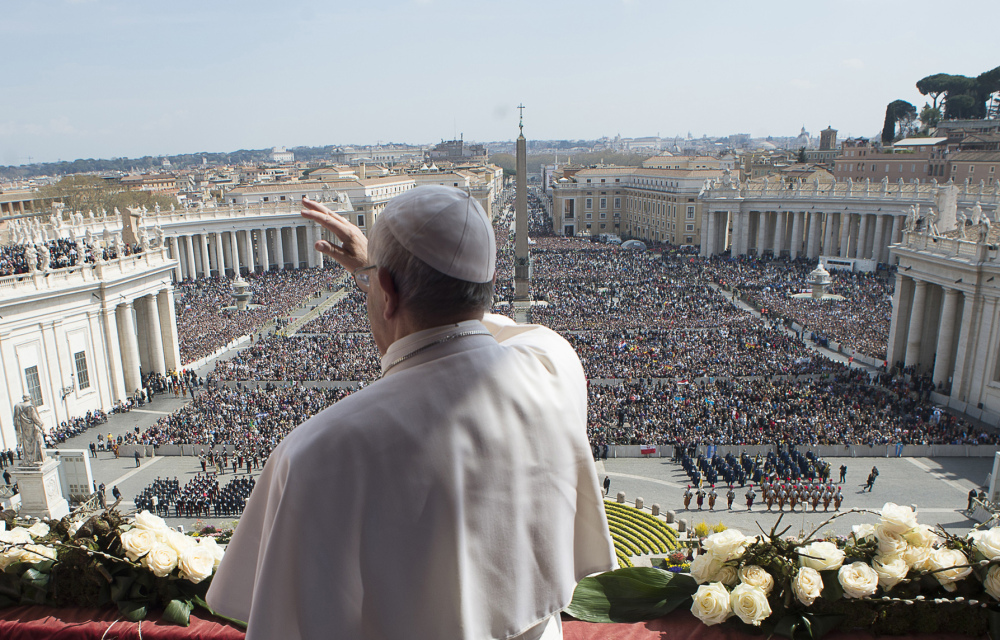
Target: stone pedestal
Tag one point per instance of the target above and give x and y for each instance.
(41, 495)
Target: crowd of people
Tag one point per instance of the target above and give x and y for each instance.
(206, 316)
(328, 356)
(16, 259)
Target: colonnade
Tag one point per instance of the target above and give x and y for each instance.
(809, 234)
(225, 253)
(141, 337)
(931, 327)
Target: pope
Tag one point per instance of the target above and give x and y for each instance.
(456, 497)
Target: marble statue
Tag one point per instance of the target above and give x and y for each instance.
(32, 256)
(977, 213)
(88, 237)
(156, 208)
(45, 256)
(931, 226)
(727, 180)
(172, 206)
(911, 218)
(984, 231)
(143, 239)
(962, 221)
(158, 235)
(30, 436)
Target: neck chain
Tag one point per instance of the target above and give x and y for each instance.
(431, 344)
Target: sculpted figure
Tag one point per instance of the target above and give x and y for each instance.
(962, 221)
(977, 213)
(931, 226)
(45, 256)
(984, 231)
(32, 257)
(30, 436)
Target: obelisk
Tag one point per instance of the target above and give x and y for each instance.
(522, 261)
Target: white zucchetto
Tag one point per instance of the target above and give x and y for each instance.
(446, 228)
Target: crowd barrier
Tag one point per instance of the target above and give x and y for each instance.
(822, 451)
(148, 450)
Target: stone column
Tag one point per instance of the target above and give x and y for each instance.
(814, 235)
(960, 383)
(234, 252)
(130, 347)
(864, 236)
(192, 271)
(894, 235)
(712, 235)
(175, 253)
(113, 354)
(296, 258)
(946, 336)
(845, 235)
(778, 240)
(206, 265)
(265, 258)
(168, 329)
(879, 252)
(828, 249)
(153, 334)
(796, 245)
(248, 237)
(763, 220)
(916, 332)
(279, 246)
(220, 256)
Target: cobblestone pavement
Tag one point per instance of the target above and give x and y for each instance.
(939, 488)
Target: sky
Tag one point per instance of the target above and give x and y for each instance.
(111, 78)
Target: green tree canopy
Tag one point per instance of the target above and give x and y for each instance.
(895, 111)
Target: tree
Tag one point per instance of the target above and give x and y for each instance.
(895, 111)
(933, 86)
(802, 155)
(930, 116)
(90, 193)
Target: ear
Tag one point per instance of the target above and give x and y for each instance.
(390, 297)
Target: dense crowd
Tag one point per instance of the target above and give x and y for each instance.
(16, 259)
(848, 408)
(860, 321)
(207, 319)
(304, 357)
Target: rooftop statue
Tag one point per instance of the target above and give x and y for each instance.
(30, 436)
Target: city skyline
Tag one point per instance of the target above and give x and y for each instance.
(102, 79)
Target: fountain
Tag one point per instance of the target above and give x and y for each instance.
(819, 279)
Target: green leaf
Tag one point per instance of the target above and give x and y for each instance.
(820, 625)
(133, 611)
(994, 618)
(198, 600)
(832, 590)
(630, 595)
(120, 588)
(178, 612)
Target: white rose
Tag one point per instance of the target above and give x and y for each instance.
(214, 547)
(988, 543)
(74, 528)
(897, 518)
(196, 563)
(917, 557)
(750, 604)
(161, 560)
(858, 580)
(9, 556)
(890, 569)
(823, 556)
(890, 543)
(138, 542)
(38, 553)
(17, 535)
(808, 585)
(705, 567)
(727, 575)
(921, 536)
(711, 603)
(178, 541)
(757, 576)
(863, 531)
(39, 530)
(146, 520)
(726, 545)
(992, 582)
(946, 565)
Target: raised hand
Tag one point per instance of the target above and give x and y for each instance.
(353, 252)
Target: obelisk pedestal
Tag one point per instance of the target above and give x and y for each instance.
(40, 491)
(522, 261)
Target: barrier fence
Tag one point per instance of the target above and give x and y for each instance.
(822, 451)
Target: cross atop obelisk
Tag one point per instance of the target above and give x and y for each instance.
(522, 261)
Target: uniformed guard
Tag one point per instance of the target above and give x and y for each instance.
(750, 498)
(712, 495)
(687, 497)
(730, 496)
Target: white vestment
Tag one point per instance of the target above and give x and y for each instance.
(454, 498)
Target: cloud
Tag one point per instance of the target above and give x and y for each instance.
(853, 63)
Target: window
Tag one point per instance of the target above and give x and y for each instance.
(265, 198)
(972, 168)
(82, 375)
(618, 201)
(282, 198)
(604, 203)
(34, 385)
(690, 213)
(590, 203)
(689, 227)
(361, 219)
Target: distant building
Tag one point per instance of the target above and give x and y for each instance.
(958, 130)
(920, 159)
(828, 139)
(279, 154)
(390, 155)
(457, 151)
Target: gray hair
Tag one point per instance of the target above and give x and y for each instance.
(430, 296)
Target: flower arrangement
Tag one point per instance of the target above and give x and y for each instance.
(137, 564)
(894, 577)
